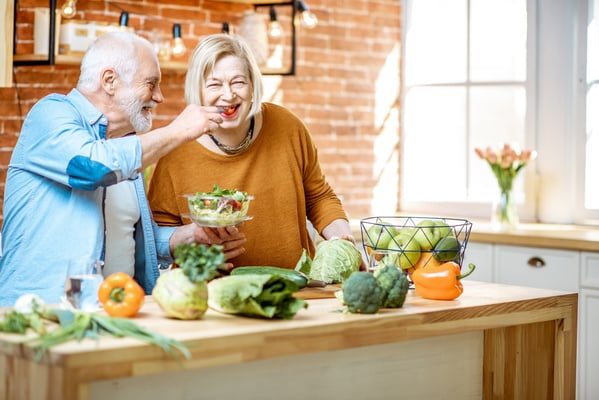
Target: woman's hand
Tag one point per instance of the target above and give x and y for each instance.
(340, 228)
(229, 237)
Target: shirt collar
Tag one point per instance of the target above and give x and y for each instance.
(89, 111)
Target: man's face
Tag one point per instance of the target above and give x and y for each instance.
(138, 110)
(137, 99)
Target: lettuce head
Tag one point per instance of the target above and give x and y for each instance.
(255, 295)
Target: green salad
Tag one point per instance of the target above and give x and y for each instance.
(220, 207)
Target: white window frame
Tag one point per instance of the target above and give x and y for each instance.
(555, 123)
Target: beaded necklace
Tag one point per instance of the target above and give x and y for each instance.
(245, 143)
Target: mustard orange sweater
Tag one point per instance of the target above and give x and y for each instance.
(280, 169)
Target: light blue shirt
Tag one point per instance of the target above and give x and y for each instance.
(54, 199)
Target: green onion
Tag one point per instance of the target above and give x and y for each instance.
(78, 325)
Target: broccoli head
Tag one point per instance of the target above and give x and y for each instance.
(361, 293)
(393, 284)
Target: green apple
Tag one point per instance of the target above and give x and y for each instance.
(426, 234)
(379, 235)
(407, 254)
(443, 230)
(407, 230)
(448, 249)
(430, 232)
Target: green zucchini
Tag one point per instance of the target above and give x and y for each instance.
(300, 279)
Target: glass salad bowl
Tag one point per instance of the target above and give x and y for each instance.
(219, 208)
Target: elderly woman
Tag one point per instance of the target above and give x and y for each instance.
(260, 148)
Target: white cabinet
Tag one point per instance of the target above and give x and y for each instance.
(567, 270)
(536, 267)
(588, 327)
(588, 346)
(481, 255)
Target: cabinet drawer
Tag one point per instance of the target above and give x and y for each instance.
(537, 267)
(589, 271)
(481, 255)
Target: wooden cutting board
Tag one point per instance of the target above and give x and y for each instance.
(327, 292)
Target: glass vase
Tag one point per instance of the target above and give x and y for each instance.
(505, 214)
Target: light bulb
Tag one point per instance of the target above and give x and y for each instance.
(69, 9)
(178, 48)
(305, 17)
(274, 27)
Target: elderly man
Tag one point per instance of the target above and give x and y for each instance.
(75, 181)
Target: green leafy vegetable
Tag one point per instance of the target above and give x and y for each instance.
(255, 295)
(335, 260)
(78, 325)
(304, 264)
(14, 322)
(232, 193)
(199, 262)
(182, 292)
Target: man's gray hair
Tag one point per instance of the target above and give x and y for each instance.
(117, 50)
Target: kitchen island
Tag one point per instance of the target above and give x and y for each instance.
(495, 341)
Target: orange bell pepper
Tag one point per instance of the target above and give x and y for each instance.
(121, 295)
(440, 282)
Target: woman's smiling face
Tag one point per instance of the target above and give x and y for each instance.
(228, 86)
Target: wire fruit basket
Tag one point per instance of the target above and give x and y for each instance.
(414, 242)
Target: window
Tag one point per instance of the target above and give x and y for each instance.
(591, 167)
(465, 85)
(478, 72)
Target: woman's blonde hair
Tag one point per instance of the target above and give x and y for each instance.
(210, 50)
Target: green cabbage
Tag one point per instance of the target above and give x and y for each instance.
(255, 295)
(334, 261)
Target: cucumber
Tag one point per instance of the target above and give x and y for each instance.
(299, 278)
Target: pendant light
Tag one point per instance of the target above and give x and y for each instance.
(178, 48)
(305, 17)
(69, 9)
(274, 27)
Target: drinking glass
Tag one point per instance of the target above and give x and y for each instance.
(378, 258)
(84, 277)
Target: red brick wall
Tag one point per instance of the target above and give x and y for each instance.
(345, 86)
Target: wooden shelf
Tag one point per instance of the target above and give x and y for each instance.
(61, 59)
(254, 2)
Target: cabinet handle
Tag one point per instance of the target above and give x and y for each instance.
(536, 262)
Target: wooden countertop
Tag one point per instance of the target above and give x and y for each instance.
(220, 339)
(566, 237)
(209, 339)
